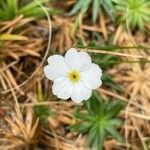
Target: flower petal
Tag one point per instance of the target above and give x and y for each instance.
(91, 78)
(72, 58)
(86, 61)
(77, 60)
(56, 67)
(62, 88)
(80, 93)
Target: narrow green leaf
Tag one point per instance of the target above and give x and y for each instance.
(81, 127)
(31, 6)
(85, 6)
(109, 8)
(92, 134)
(96, 10)
(114, 110)
(115, 122)
(77, 7)
(115, 134)
(101, 137)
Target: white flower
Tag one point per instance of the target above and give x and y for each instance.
(74, 75)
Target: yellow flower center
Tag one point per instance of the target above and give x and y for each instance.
(74, 76)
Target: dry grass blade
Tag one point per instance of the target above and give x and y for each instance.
(103, 25)
(112, 53)
(11, 23)
(91, 28)
(22, 132)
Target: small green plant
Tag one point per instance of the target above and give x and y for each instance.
(99, 121)
(97, 5)
(9, 9)
(43, 112)
(136, 13)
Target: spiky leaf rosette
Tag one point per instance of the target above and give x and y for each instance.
(99, 121)
(135, 12)
(97, 5)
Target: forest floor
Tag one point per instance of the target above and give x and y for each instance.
(31, 117)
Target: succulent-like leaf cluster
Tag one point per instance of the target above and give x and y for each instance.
(136, 13)
(99, 121)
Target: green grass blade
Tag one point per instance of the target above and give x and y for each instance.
(31, 6)
(77, 7)
(109, 8)
(96, 10)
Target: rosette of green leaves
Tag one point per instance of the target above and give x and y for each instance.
(136, 13)
(99, 121)
(97, 5)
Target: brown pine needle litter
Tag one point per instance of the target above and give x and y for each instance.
(25, 44)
